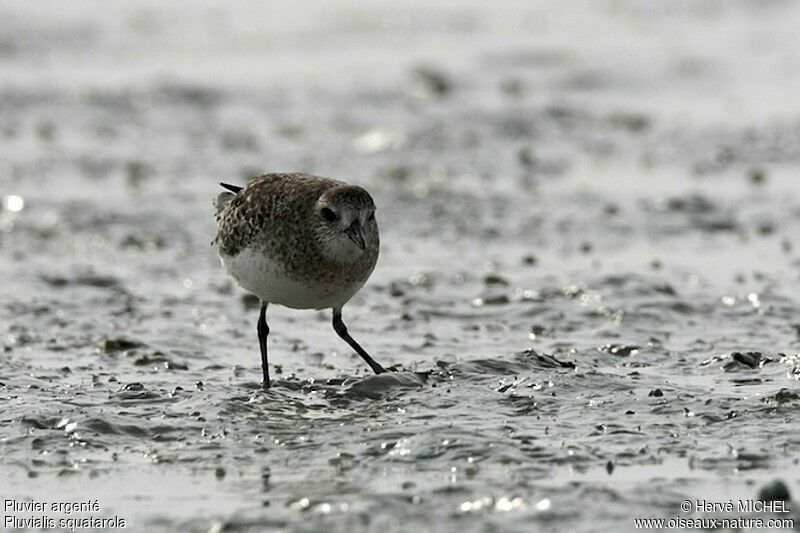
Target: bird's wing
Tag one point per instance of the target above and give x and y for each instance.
(244, 215)
(239, 218)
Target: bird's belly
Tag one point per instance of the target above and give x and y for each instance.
(258, 274)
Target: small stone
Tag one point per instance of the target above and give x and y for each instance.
(430, 82)
(396, 290)
(775, 490)
(493, 299)
(765, 228)
(751, 359)
(785, 396)
(137, 172)
(756, 176)
(526, 157)
(539, 331)
(250, 301)
(495, 279)
(120, 344)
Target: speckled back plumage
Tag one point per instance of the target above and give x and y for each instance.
(274, 214)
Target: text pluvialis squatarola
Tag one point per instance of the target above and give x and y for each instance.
(300, 241)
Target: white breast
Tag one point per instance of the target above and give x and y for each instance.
(258, 274)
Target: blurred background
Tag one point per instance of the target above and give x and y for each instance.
(588, 216)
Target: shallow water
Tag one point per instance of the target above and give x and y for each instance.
(588, 283)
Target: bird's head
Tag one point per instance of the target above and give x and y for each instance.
(345, 224)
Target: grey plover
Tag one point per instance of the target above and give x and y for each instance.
(300, 241)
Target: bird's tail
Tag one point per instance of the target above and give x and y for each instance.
(233, 188)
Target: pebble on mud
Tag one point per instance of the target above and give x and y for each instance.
(137, 172)
(632, 122)
(491, 299)
(430, 82)
(250, 301)
(539, 331)
(765, 228)
(526, 157)
(495, 279)
(785, 396)
(757, 176)
(752, 359)
(120, 344)
(775, 490)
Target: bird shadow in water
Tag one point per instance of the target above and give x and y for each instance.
(372, 386)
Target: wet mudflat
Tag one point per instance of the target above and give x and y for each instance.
(589, 281)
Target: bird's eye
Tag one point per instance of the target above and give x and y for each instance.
(371, 217)
(328, 214)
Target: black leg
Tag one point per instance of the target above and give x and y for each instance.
(341, 330)
(263, 331)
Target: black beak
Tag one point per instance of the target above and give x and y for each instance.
(356, 234)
